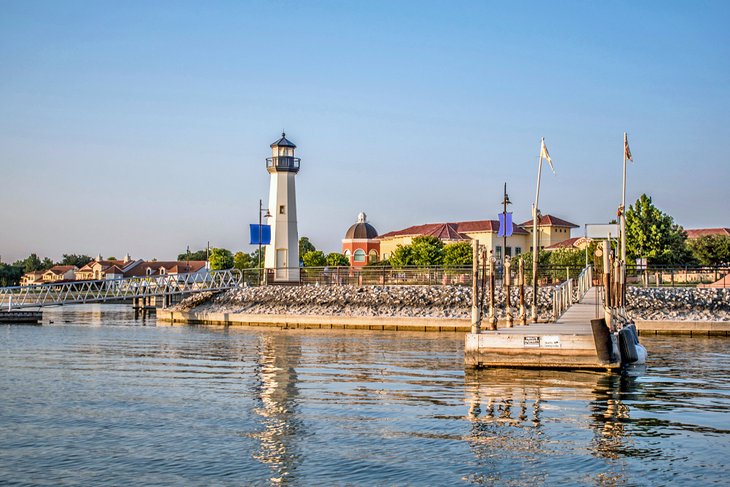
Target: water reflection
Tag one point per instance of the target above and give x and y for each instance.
(277, 394)
(507, 410)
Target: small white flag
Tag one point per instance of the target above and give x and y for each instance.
(544, 155)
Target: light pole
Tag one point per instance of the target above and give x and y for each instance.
(267, 215)
(505, 202)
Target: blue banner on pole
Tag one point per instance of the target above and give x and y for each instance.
(260, 234)
(505, 229)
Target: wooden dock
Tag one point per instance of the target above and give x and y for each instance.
(565, 344)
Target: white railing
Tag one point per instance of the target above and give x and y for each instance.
(585, 281)
(562, 298)
(117, 289)
(563, 294)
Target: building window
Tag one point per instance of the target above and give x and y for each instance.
(373, 256)
(282, 209)
(518, 250)
(498, 252)
(508, 251)
(359, 255)
(347, 254)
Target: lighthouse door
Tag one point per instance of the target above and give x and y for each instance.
(281, 271)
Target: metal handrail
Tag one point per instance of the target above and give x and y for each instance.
(79, 292)
(563, 293)
(585, 281)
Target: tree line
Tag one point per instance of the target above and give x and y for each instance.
(651, 234)
(10, 274)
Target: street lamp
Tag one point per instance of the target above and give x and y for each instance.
(267, 215)
(505, 202)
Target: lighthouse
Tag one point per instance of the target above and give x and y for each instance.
(282, 254)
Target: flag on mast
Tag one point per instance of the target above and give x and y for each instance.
(544, 154)
(627, 151)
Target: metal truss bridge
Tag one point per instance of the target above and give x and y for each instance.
(79, 292)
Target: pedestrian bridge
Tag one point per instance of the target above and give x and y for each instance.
(80, 292)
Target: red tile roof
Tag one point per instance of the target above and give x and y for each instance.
(565, 244)
(169, 266)
(549, 220)
(487, 226)
(62, 269)
(452, 231)
(703, 232)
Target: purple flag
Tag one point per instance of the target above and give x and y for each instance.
(505, 229)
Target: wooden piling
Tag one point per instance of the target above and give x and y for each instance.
(521, 284)
(475, 328)
(492, 321)
(507, 278)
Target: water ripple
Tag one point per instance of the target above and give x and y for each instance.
(99, 398)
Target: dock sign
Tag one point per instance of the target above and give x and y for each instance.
(531, 342)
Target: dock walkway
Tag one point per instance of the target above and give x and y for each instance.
(567, 343)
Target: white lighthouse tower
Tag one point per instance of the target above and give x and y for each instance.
(282, 255)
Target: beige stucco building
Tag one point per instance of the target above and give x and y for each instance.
(552, 230)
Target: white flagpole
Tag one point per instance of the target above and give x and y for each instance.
(535, 250)
(623, 208)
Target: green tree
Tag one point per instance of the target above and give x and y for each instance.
(111, 258)
(305, 246)
(711, 249)
(242, 261)
(427, 251)
(30, 263)
(402, 256)
(653, 235)
(255, 257)
(337, 260)
(10, 274)
(567, 258)
(220, 259)
(314, 258)
(197, 255)
(79, 260)
(458, 254)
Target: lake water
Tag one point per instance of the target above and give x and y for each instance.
(97, 398)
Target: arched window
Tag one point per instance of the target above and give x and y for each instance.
(373, 256)
(347, 254)
(359, 255)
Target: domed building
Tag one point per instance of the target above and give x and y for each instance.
(361, 245)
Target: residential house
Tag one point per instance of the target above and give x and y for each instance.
(32, 278)
(60, 273)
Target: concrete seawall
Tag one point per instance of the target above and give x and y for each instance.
(688, 328)
(378, 323)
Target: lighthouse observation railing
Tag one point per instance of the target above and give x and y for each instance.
(77, 292)
(283, 163)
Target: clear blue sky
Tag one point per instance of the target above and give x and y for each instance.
(142, 127)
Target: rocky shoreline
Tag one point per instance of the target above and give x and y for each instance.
(386, 301)
(691, 304)
(681, 304)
